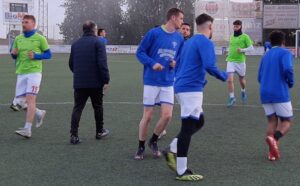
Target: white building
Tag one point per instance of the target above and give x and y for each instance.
(11, 13)
(226, 12)
(259, 17)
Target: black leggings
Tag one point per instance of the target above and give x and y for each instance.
(188, 128)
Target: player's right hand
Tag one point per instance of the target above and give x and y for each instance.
(158, 67)
(173, 64)
(15, 51)
(31, 55)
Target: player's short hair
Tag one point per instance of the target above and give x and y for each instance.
(173, 12)
(186, 24)
(100, 30)
(277, 38)
(238, 22)
(203, 18)
(89, 26)
(30, 17)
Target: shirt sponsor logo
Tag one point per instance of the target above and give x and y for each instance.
(166, 53)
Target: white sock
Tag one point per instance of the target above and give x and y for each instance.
(243, 90)
(22, 102)
(28, 125)
(38, 112)
(15, 101)
(173, 145)
(181, 165)
(24, 105)
(231, 94)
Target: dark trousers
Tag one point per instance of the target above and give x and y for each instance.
(80, 98)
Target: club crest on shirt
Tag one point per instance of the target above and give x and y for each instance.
(174, 43)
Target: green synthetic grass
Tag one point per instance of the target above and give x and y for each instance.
(229, 150)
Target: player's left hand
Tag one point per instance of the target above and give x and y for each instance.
(15, 51)
(239, 50)
(173, 64)
(31, 55)
(105, 87)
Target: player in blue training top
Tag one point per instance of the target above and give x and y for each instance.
(276, 77)
(196, 58)
(102, 36)
(157, 52)
(185, 30)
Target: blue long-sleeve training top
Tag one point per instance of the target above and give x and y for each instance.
(276, 76)
(159, 46)
(103, 40)
(197, 57)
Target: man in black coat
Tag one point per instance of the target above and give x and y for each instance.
(88, 62)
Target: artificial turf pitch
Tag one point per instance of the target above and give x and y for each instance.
(229, 150)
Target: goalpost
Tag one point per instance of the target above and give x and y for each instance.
(297, 47)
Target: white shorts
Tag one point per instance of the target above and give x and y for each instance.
(281, 110)
(154, 95)
(190, 104)
(28, 84)
(239, 68)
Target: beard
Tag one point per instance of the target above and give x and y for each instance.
(238, 32)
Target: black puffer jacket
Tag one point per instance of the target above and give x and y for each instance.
(88, 62)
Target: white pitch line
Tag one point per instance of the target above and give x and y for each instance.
(139, 103)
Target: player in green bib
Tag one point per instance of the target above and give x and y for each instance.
(29, 49)
(239, 44)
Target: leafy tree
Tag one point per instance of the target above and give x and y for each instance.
(145, 14)
(106, 14)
